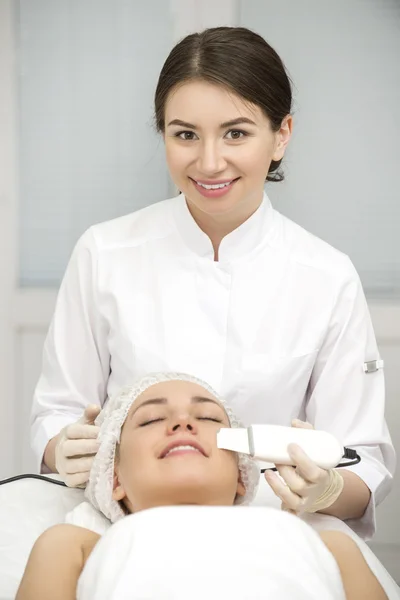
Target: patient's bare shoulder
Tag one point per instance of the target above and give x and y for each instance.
(71, 536)
(55, 563)
(70, 533)
(359, 581)
(66, 542)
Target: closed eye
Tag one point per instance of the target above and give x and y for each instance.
(210, 419)
(151, 421)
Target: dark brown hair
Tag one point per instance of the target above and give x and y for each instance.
(239, 60)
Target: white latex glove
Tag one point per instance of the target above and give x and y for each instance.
(76, 446)
(303, 484)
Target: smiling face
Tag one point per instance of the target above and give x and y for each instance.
(214, 138)
(168, 452)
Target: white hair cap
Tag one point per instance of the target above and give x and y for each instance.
(99, 489)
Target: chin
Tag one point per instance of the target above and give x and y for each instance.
(188, 478)
(190, 481)
(211, 206)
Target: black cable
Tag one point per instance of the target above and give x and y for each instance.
(348, 453)
(352, 455)
(32, 476)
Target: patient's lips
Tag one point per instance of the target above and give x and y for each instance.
(182, 446)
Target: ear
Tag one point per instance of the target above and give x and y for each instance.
(240, 490)
(283, 138)
(118, 488)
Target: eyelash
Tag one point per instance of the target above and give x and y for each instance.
(150, 422)
(180, 133)
(161, 419)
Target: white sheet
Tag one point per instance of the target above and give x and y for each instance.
(131, 535)
(27, 508)
(198, 552)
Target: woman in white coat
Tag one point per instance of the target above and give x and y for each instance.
(217, 283)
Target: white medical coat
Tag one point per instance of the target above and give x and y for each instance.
(279, 326)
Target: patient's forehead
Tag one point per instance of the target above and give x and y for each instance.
(176, 393)
(176, 389)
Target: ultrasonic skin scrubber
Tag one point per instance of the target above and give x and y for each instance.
(269, 443)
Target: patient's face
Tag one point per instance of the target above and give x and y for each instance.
(168, 453)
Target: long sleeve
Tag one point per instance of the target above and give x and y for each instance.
(76, 361)
(349, 402)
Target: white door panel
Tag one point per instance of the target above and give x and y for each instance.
(29, 345)
(8, 238)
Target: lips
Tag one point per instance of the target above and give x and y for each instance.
(214, 190)
(182, 442)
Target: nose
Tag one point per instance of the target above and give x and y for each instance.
(211, 159)
(182, 423)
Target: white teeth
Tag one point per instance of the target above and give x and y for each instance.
(214, 187)
(182, 448)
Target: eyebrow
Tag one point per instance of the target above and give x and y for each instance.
(232, 123)
(158, 401)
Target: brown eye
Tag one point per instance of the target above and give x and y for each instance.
(236, 134)
(188, 136)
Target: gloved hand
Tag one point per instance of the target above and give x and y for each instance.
(76, 447)
(305, 487)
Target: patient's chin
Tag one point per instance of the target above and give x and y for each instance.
(188, 487)
(188, 477)
(188, 495)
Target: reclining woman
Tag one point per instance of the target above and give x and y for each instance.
(157, 448)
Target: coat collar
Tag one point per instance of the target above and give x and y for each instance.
(236, 245)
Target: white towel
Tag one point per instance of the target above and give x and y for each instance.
(85, 515)
(175, 553)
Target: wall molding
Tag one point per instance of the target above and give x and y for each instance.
(386, 320)
(33, 308)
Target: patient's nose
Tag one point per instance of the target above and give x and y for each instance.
(182, 423)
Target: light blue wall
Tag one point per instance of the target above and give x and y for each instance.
(88, 150)
(344, 162)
